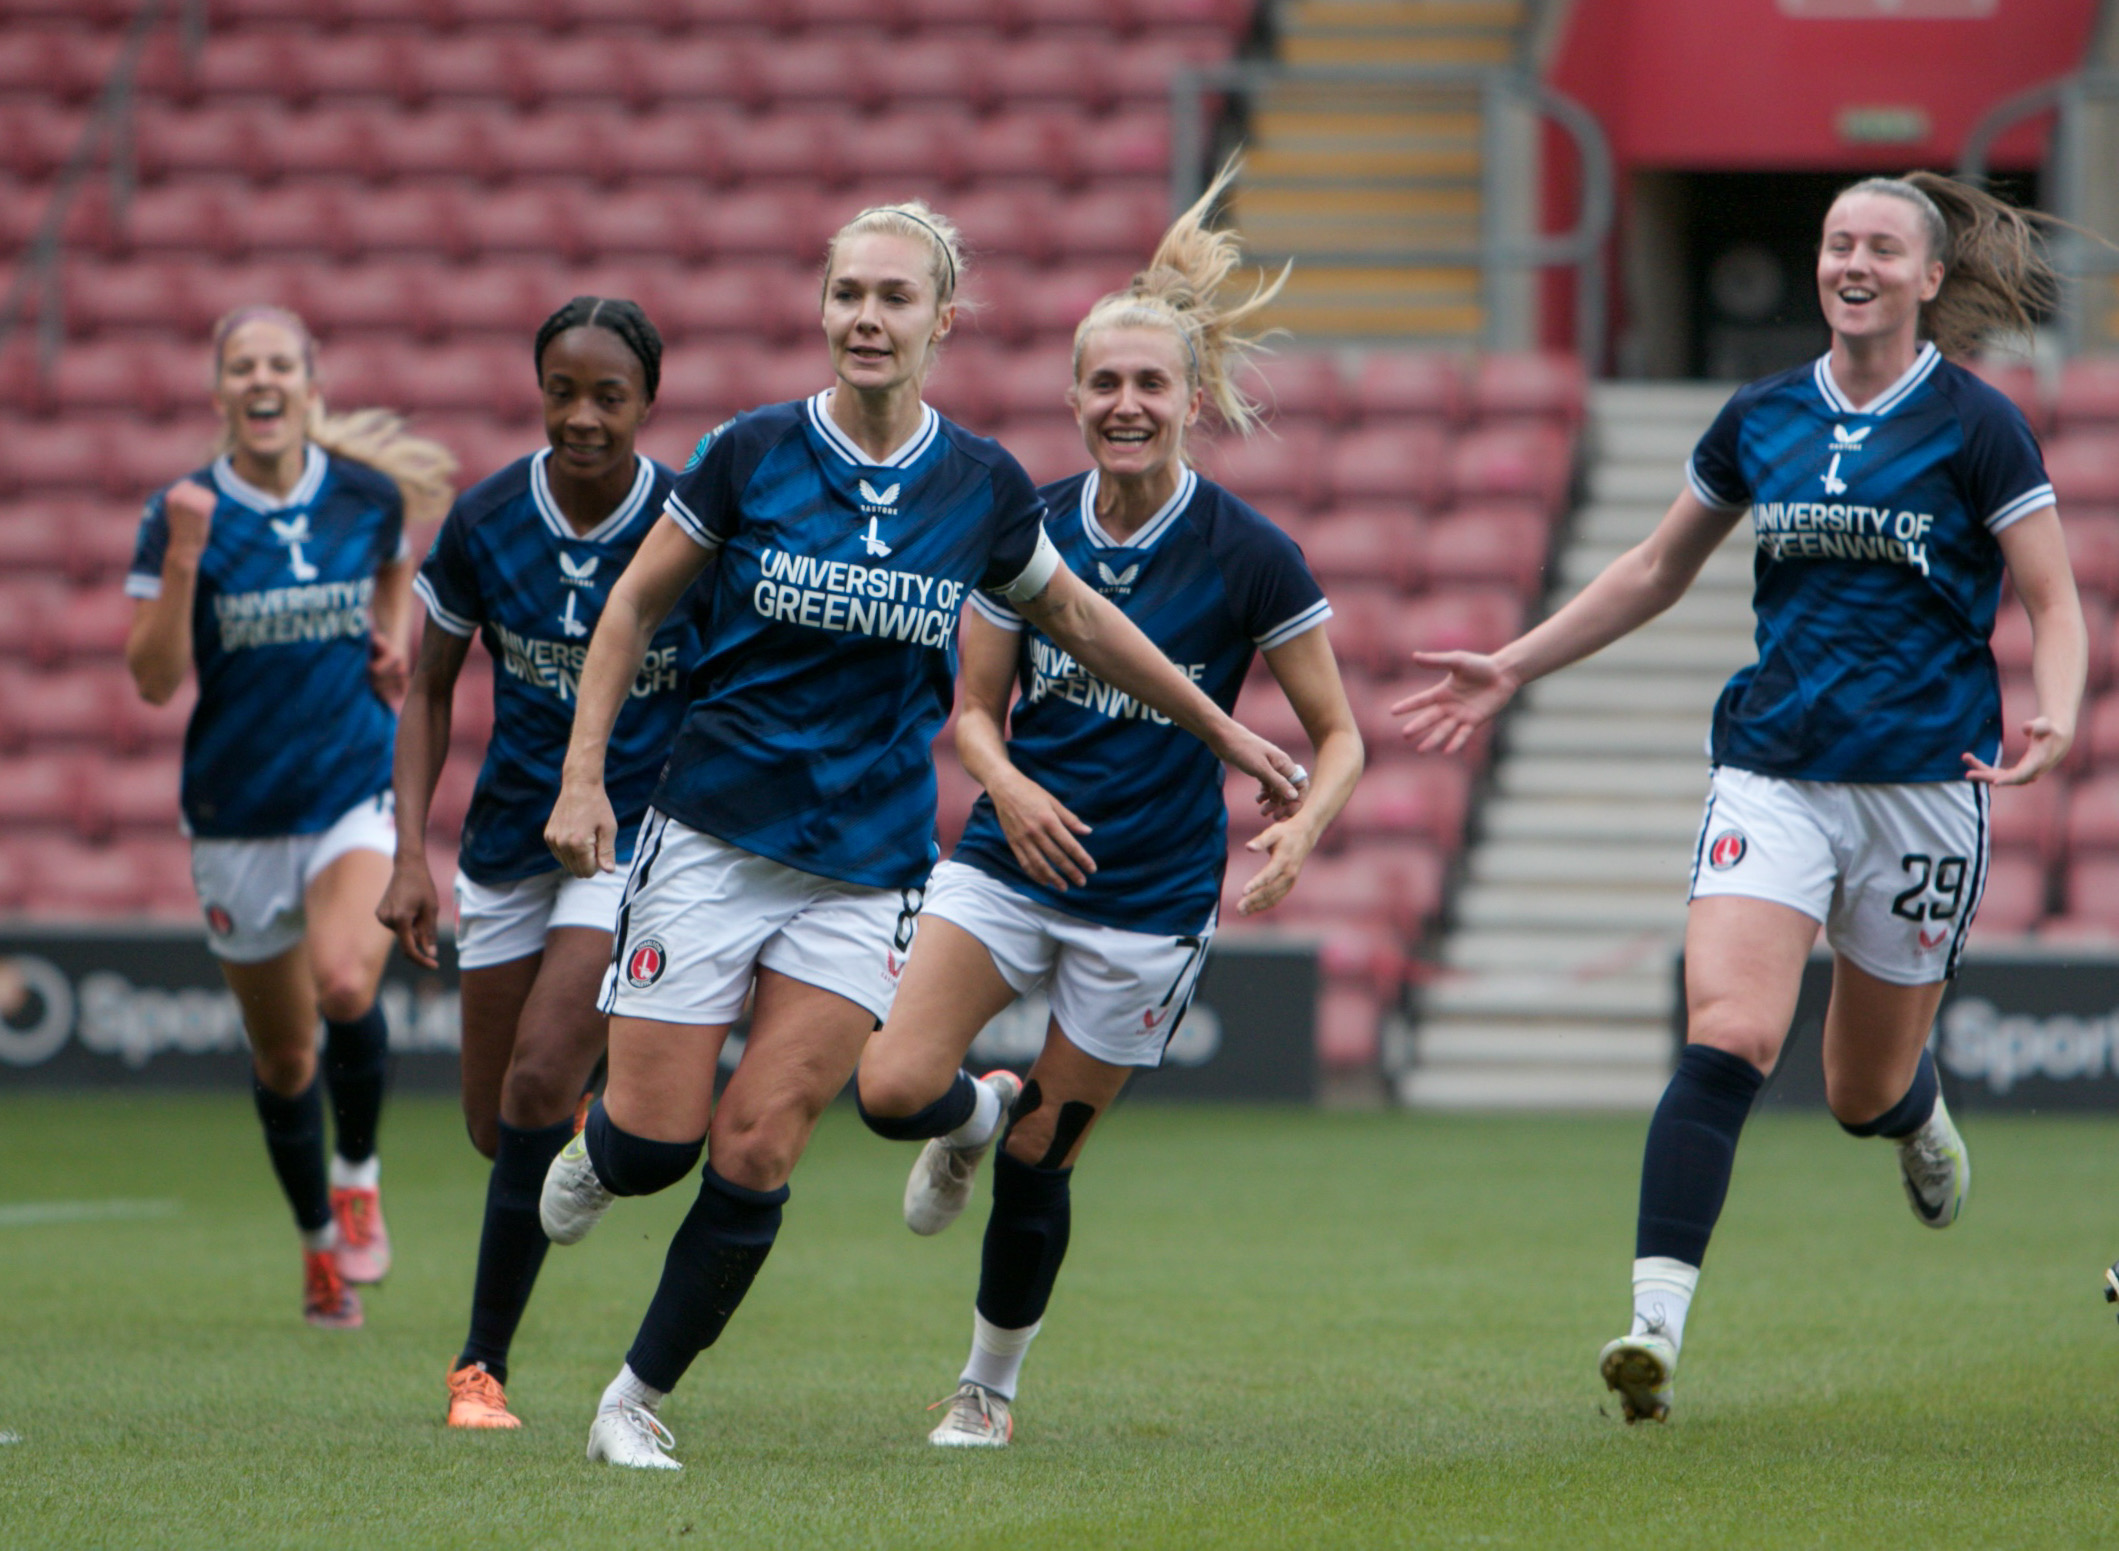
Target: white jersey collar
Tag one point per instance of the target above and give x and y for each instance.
(611, 526)
(1924, 362)
(244, 493)
(1151, 530)
(839, 442)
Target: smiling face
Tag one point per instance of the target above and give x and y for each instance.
(881, 313)
(1874, 269)
(595, 401)
(1133, 400)
(263, 388)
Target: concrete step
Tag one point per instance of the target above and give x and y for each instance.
(1428, 47)
(1665, 648)
(1728, 568)
(1705, 607)
(1473, 1088)
(1623, 780)
(1586, 955)
(1544, 996)
(1588, 687)
(1581, 862)
(1644, 1043)
(1523, 907)
(1552, 732)
(1665, 443)
(1674, 822)
(1691, 402)
(1641, 484)
(1304, 15)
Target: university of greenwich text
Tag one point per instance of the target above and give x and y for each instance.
(858, 599)
(556, 665)
(1818, 530)
(277, 616)
(1055, 675)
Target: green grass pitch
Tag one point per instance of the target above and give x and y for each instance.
(1275, 1329)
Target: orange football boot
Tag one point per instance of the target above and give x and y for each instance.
(363, 1241)
(327, 1301)
(477, 1400)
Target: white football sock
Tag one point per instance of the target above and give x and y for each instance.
(1662, 1294)
(630, 1386)
(325, 1237)
(997, 1355)
(985, 1120)
(366, 1175)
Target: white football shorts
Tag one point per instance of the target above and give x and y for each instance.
(701, 917)
(499, 922)
(1893, 871)
(1118, 994)
(251, 890)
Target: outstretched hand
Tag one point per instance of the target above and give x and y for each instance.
(2048, 747)
(1444, 716)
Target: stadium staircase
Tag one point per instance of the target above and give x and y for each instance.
(1338, 171)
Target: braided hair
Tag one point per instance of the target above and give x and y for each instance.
(621, 317)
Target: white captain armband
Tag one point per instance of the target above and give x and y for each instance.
(1044, 561)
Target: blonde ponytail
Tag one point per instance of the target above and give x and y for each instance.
(1180, 291)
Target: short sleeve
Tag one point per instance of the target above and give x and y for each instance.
(2004, 470)
(1021, 559)
(396, 545)
(1270, 588)
(144, 580)
(448, 581)
(1715, 471)
(997, 613)
(703, 501)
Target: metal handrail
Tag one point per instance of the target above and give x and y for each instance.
(2076, 254)
(1582, 248)
(109, 124)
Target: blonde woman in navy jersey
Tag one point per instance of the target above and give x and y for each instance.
(1092, 866)
(1888, 489)
(280, 574)
(787, 845)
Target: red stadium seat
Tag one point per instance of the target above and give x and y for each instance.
(130, 795)
(603, 65)
(937, 67)
(1117, 223)
(1131, 144)
(70, 881)
(491, 65)
(54, 62)
(456, 141)
(1046, 144)
(2088, 397)
(531, 219)
(2031, 818)
(1048, 450)
(1409, 385)
(325, 220)
(72, 708)
(770, 223)
(703, 380)
(36, 138)
(481, 446)
(210, 290)
(452, 798)
(181, 143)
(492, 379)
(1409, 463)
(1531, 463)
(2012, 638)
(2013, 900)
(640, 222)
(39, 791)
(1397, 883)
(1263, 707)
(1368, 545)
(1024, 303)
(700, 68)
(34, 539)
(190, 218)
(69, 455)
(1500, 544)
(100, 296)
(796, 144)
(139, 728)
(2093, 551)
(146, 457)
(1295, 387)
(1269, 469)
(2093, 888)
(1474, 620)
(1349, 1025)
(1030, 384)
(1359, 627)
(1006, 223)
(677, 141)
(359, 297)
(909, 142)
(2093, 815)
(955, 793)
(1528, 386)
(2019, 383)
(1424, 799)
(504, 296)
(750, 301)
(83, 623)
(2085, 469)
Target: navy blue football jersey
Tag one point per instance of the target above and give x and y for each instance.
(288, 734)
(1209, 581)
(508, 566)
(831, 634)
(1877, 573)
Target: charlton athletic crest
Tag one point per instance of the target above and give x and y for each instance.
(218, 918)
(1728, 849)
(645, 964)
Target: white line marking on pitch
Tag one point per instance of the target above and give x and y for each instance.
(38, 1214)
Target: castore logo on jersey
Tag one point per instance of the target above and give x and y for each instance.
(1118, 581)
(1844, 441)
(294, 535)
(577, 573)
(878, 504)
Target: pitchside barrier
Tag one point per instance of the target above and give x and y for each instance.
(2020, 1030)
(146, 1008)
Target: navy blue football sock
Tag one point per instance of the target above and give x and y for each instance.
(511, 1250)
(632, 1165)
(1691, 1151)
(356, 1066)
(1910, 1113)
(294, 1136)
(718, 1249)
(940, 1118)
(1026, 1239)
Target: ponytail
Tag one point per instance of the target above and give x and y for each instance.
(1179, 291)
(1996, 277)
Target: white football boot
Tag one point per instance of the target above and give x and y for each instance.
(977, 1419)
(1640, 1368)
(1936, 1168)
(574, 1199)
(940, 1185)
(632, 1435)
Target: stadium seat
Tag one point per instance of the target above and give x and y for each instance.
(101, 296)
(781, 224)
(1497, 544)
(750, 301)
(1029, 384)
(40, 791)
(1294, 388)
(2088, 396)
(2013, 900)
(956, 791)
(1117, 223)
(797, 145)
(71, 881)
(1423, 799)
(1409, 463)
(2011, 641)
(139, 728)
(454, 141)
(2084, 467)
(1359, 953)
(1365, 544)
(1408, 385)
(2093, 552)
(1025, 142)
(1398, 882)
(176, 142)
(34, 539)
(2019, 384)
(1473, 620)
(1349, 1026)
(55, 62)
(1018, 302)
(129, 795)
(701, 380)
(1263, 707)
(65, 456)
(2098, 732)
(2093, 815)
(37, 137)
(643, 222)
(504, 296)
(2031, 818)
(530, 219)
(1528, 387)
(679, 140)
(939, 67)
(699, 68)
(83, 623)
(1048, 450)
(452, 798)
(70, 708)
(1268, 470)
(1528, 463)
(342, 299)
(1133, 143)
